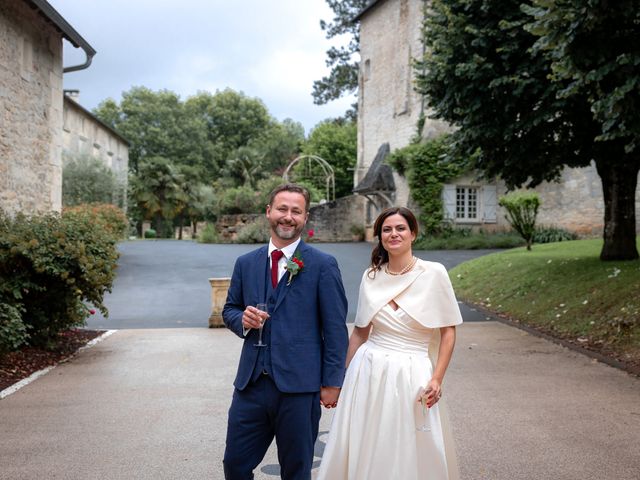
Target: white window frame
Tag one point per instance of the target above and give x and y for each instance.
(466, 191)
(486, 208)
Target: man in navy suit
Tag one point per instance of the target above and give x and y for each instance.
(279, 388)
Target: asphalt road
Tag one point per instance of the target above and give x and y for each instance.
(164, 283)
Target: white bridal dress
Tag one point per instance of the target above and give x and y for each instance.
(374, 433)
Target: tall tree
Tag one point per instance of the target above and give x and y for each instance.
(232, 120)
(594, 48)
(157, 124)
(482, 74)
(335, 142)
(158, 192)
(86, 179)
(343, 61)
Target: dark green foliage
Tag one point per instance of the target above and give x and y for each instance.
(427, 167)
(245, 199)
(465, 239)
(238, 200)
(13, 331)
(522, 210)
(185, 154)
(337, 143)
(159, 124)
(478, 76)
(150, 233)
(86, 179)
(208, 234)
(594, 52)
(532, 90)
(343, 77)
(552, 234)
(158, 192)
(50, 265)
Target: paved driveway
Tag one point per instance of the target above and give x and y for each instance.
(164, 283)
(152, 403)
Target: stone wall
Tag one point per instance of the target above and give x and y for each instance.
(30, 111)
(388, 106)
(333, 221)
(230, 226)
(330, 222)
(574, 203)
(84, 134)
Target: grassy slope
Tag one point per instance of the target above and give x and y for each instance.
(562, 289)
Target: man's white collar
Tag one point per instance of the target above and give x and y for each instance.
(288, 251)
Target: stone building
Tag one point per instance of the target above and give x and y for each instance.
(388, 113)
(31, 103)
(84, 134)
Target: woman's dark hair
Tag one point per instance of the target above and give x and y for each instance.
(379, 255)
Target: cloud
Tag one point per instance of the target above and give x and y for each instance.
(270, 50)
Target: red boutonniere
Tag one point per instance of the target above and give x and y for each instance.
(294, 266)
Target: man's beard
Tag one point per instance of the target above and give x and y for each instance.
(288, 234)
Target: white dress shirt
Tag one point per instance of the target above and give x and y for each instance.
(288, 252)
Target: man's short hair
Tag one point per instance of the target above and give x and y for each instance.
(291, 187)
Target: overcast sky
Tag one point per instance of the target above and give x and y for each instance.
(272, 50)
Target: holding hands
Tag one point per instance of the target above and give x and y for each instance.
(329, 396)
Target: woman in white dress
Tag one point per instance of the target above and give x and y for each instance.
(390, 423)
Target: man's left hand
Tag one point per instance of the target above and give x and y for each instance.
(329, 396)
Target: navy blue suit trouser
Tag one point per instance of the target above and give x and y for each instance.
(260, 412)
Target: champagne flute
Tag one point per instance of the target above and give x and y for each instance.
(263, 308)
(423, 401)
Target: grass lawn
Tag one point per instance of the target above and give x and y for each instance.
(564, 290)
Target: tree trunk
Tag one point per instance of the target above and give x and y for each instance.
(619, 182)
(157, 224)
(194, 233)
(180, 229)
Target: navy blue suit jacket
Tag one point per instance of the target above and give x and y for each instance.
(308, 332)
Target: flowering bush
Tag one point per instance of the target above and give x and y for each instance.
(110, 217)
(50, 265)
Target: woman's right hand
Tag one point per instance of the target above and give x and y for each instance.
(431, 393)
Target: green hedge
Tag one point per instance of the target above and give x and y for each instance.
(51, 266)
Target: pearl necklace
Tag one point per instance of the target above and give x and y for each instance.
(407, 268)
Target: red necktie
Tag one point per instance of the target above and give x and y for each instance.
(276, 255)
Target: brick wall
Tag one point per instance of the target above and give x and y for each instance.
(30, 111)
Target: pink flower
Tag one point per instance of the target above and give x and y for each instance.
(310, 233)
(92, 311)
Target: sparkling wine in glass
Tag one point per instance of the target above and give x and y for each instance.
(425, 424)
(263, 308)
